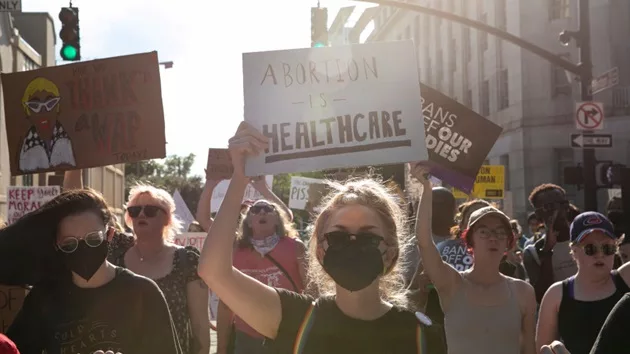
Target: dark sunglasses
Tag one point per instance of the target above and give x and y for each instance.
(591, 249)
(341, 239)
(92, 239)
(256, 209)
(149, 210)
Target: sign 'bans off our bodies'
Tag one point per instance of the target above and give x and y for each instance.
(334, 107)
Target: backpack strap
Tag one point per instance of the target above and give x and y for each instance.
(305, 330)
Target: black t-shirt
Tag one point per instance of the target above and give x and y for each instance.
(613, 337)
(128, 315)
(332, 332)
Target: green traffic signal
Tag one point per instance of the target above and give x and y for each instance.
(69, 52)
(318, 45)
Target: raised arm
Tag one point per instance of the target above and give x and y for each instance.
(261, 186)
(443, 276)
(73, 179)
(204, 207)
(254, 302)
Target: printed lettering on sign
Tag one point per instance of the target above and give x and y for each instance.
(23, 200)
(304, 190)
(334, 107)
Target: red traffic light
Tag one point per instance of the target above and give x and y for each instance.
(68, 16)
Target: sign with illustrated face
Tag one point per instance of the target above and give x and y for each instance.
(334, 107)
(85, 114)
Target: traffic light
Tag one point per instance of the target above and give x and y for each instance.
(69, 34)
(319, 27)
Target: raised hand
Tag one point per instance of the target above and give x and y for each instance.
(247, 141)
(554, 348)
(420, 172)
(260, 183)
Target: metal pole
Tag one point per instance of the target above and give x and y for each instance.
(589, 160)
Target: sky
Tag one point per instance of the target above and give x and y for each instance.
(202, 94)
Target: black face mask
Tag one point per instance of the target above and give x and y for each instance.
(86, 260)
(355, 266)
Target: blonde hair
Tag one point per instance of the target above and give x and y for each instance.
(284, 228)
(36, 85)
(164, 200)
(384, 200)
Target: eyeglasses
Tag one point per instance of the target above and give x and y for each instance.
(341, 239)
(36, 106)
(591, 249)
(92, 239)
(150, 211)
(257, 208)
(485, 233)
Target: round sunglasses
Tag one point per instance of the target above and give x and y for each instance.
(150, 211)
(257, 208)
(92, 239)
(591, 249)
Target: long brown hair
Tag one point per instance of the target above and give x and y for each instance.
(284, 228)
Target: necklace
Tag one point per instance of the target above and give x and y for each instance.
(142, 257)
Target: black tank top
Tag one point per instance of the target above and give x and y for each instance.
(579, 322)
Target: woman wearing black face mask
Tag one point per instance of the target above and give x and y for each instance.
(354, 247)
(92, 305)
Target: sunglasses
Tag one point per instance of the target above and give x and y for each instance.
(48, 105)
(341, 239)
(149, 210)
(92, 239)
(256, 209)
(591, 249)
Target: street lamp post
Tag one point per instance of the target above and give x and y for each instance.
(166, 64)
(584, 69)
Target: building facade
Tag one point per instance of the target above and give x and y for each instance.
(28, 42)
(531, 99)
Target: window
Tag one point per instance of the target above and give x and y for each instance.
(452, 56)
(505, 161)
(483, 36)
(504, 90)
(27, 180)
(559, 9)
(560, 84)
(468, 99)
(440, 68)
(485, 98)
(429, 70)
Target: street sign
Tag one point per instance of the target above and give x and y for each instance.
(589, 116)
(489, 184)
(591, 141)
(10, 5)
(605, 81)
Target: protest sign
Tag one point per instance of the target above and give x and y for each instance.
(304, 190)
(86, 114)
(489, 183)
(219, 164)
(11, 300)
(250, 193)
(334, 107)
(23, 200)
(458, 139)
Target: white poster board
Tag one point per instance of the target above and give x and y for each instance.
(197, 239)
(299, 191)
(181, 210)
(23, 200)
(334, 107)
(219, 193)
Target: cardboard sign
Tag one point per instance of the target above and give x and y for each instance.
(87, 114)
(11, 300)
(219, 164)
(334, 107)
(219, 193)
(489, 183)
(305, 190)
(23, 200)
(458, 139)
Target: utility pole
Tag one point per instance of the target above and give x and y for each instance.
(584, 70)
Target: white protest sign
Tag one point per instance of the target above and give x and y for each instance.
(334, 107)
(219, 193)
(299, 191)
(23, 200)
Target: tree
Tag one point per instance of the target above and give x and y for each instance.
(171, 174)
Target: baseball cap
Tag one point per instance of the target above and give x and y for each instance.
(588, 222)
(7, 346)
(485, 211)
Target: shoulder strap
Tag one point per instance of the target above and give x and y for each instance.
(277, 264)
(305, 329)
(534, 253)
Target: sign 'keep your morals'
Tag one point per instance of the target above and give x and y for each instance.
(86, 114)
(334, 107)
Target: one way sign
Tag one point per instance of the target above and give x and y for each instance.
(591, 141)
